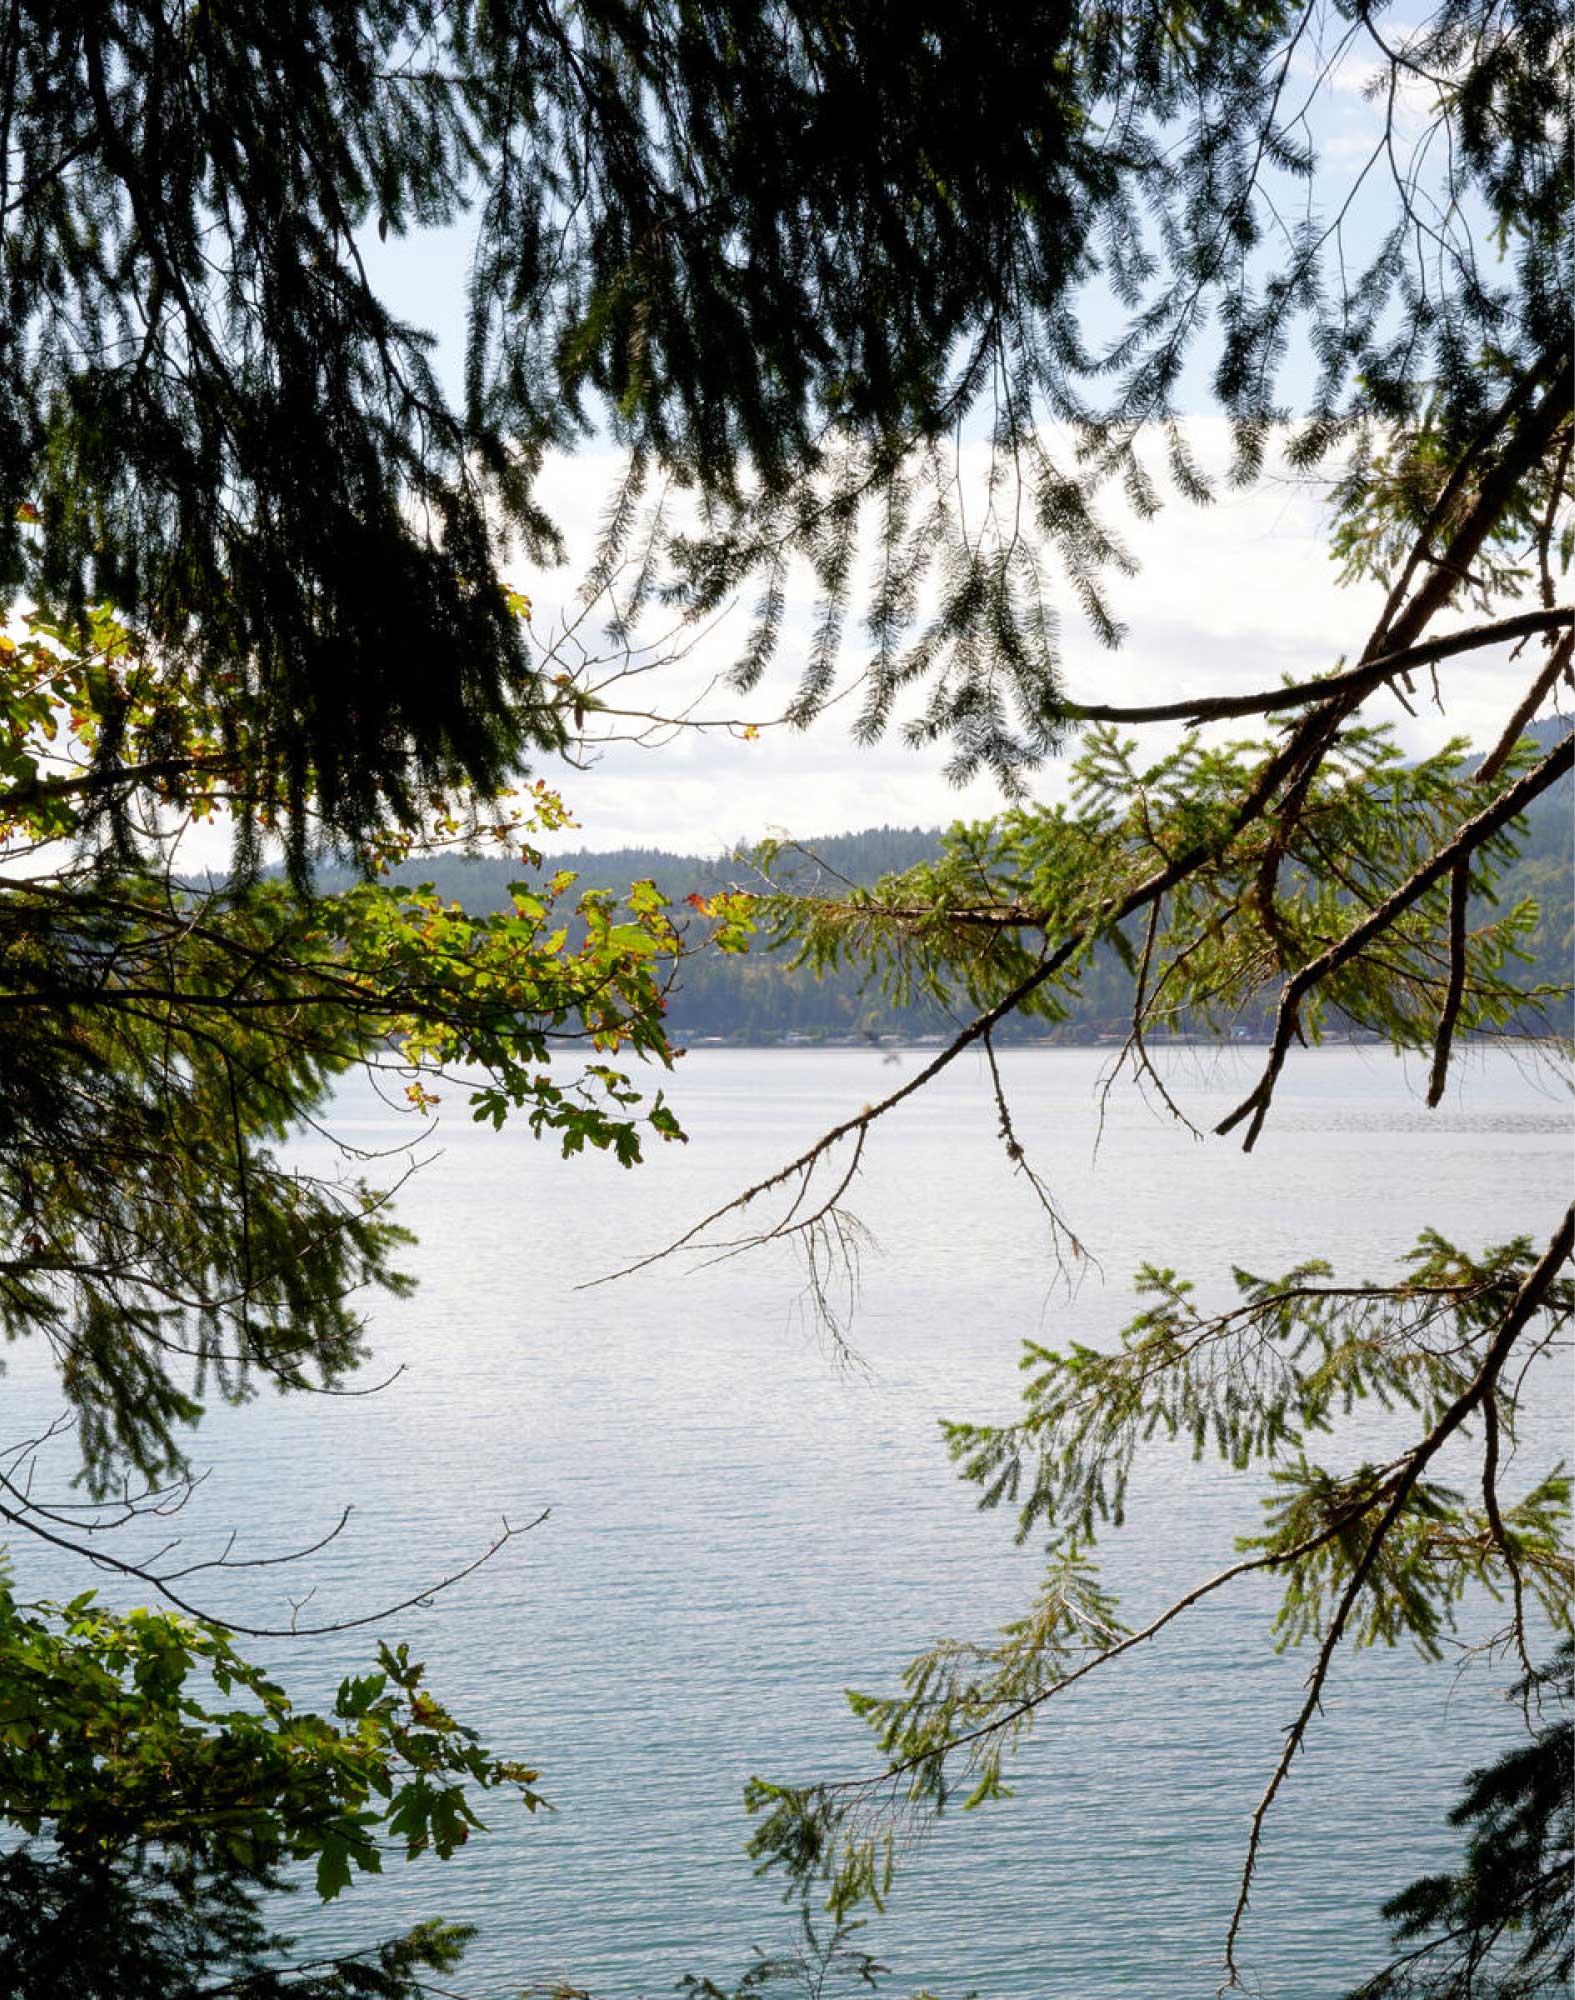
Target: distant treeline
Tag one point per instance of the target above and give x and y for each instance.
(759, 997)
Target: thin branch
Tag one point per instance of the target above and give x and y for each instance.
(1060, 1231)
(1500, 1534)
(161, 1584)
(1459, 899)
(1550, 517)
(1358, 680)
(1536, 695)
(34, 791)
(1030, 1704)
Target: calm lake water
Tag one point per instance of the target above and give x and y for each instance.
(740, 1529)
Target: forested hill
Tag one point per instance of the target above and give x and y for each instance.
(760, 998)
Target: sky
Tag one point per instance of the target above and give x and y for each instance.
(1228, 598)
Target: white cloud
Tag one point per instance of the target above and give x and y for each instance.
(1229, 598)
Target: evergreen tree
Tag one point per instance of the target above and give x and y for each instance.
(785, 255)
(782, 253)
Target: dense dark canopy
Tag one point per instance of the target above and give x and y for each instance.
(887, 292)
(781, 250)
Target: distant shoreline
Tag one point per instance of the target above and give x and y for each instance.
(796, 1043)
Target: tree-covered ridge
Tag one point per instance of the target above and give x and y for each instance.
(763, 996)
(749, 997)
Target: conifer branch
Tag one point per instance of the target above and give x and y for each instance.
(1359, 680)
(1484, 1384)
(1471, 836)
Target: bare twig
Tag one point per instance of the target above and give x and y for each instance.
(1536, 695)
(160, 1582)
(1459, 898)
(1060, 1231)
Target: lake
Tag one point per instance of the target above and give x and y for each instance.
(741, 1527)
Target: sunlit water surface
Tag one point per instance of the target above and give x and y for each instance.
(740, 1528)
